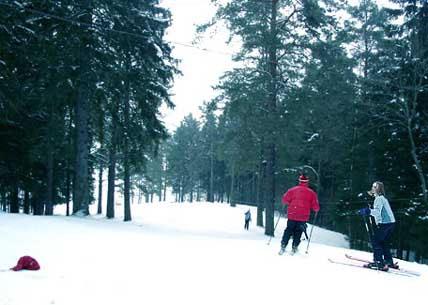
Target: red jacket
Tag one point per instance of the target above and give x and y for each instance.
(27, 263)
(301, 200)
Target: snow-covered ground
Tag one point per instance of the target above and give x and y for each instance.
(192, 254)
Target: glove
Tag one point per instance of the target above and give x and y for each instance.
(364, 212)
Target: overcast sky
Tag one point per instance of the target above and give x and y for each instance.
(201, 65)
(201, 69)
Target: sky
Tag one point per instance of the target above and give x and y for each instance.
(184, 253)
(201, 65)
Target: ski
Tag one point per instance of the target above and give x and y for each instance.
(350, 264)
(287, 253)
(415, 273)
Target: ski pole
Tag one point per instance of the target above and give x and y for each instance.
(367, 229)
(310, 234)
(277, 221)
(306, 234)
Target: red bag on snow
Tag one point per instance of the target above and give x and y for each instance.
(26, 263)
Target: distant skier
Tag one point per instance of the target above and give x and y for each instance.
(247, 219)
(300, 200)
(385, 222)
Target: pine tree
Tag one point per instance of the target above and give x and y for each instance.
(271, 45)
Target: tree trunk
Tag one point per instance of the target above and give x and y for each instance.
(211, 193)
(101, 165)
(127, 183)
(37, 203)
(126, 165)
(365, 94)
(68, 189)
(111, 179)
(100, 187)
(3, 201)
(271, 105)
(50, 160)
(68, 178)
(260, 187)
(164, 191)
(198, 192)
(81, 170)
(232, 184)
(270, 188)
(26, 202)
(50, 178)
(14, 200)
(111, 183)
(181, 191)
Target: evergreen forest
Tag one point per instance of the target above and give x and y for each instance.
(334, 89)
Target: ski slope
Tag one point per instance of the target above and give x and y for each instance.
(189, 253)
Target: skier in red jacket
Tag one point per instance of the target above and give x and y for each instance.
(300, 200)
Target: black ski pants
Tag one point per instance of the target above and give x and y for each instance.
(294, 228)
(380, 242)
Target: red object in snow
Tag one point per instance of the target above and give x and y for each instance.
(26, 263)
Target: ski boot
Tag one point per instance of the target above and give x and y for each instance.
(393, 265)
(377, 266)
(294, 250)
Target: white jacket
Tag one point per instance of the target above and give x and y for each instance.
(381, 211)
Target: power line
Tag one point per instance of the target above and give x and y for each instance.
(97, 27)
(201, 49)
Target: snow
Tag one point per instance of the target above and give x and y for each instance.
(189, 253)
(312, 137)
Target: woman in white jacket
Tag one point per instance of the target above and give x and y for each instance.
(385, 222)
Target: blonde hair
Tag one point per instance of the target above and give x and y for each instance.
(380, 188)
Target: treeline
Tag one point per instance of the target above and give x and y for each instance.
(81, 84)
(341, 96)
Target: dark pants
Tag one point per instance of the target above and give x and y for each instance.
(294, 228)
(247, 224)
(380, 242)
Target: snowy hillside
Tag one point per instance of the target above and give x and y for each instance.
(189, 254)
